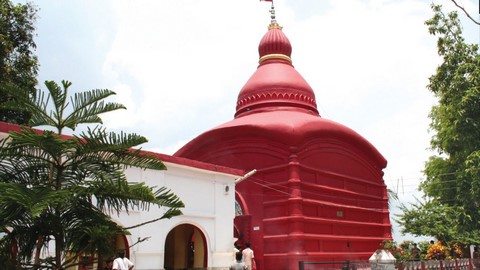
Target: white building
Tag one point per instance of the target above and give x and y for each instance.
(200, 238)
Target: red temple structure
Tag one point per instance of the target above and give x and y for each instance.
(318, 193)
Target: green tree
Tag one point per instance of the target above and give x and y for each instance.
(18, 64)
(60, 190)
(452, 184)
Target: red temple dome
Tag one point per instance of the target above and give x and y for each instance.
(275, 82)
(318, 193)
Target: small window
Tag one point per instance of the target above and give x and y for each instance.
(238, 209)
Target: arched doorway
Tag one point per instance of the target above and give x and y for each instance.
(185, 248)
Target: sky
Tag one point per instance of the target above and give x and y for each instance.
(179, 65)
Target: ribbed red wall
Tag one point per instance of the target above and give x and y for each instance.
(319, 201)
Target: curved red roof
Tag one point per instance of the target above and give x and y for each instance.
(283, 125)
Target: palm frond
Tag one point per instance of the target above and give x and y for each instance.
(99, 146)
(168, 199)
(115, 195)
(30, 201)
(14, 202)
(59, 97)
(28, 157)
(88, 105)
(36, 105)
(48, 142)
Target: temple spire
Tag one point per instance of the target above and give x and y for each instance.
(275, 85)
(273, 19)
(272, 14)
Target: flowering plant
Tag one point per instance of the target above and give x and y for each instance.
(437, 251)
(456, 250)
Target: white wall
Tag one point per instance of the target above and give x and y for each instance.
(207, 206)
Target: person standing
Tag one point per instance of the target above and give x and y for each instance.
(476, 257)
(108, 264)
(248, 257)
(415, 252)
(476, 253)
(238, 264)
(236, 249)
(122, 263)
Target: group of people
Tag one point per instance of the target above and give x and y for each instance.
(244, 260)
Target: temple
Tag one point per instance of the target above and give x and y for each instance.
(318, 193)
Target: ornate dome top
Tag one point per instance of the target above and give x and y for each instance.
(275, 83)
(274, 44)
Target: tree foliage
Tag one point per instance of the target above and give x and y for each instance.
(452, 184)
(18, 64)
(61, 190)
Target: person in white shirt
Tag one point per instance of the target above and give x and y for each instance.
(122, 263)
(248, 256)
(236, 248)
(238, 264)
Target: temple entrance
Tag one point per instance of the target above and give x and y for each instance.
(185, 248)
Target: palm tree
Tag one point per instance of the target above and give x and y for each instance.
(61, 190)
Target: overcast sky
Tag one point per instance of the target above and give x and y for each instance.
(179, 65)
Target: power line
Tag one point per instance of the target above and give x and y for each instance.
(268, 185)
